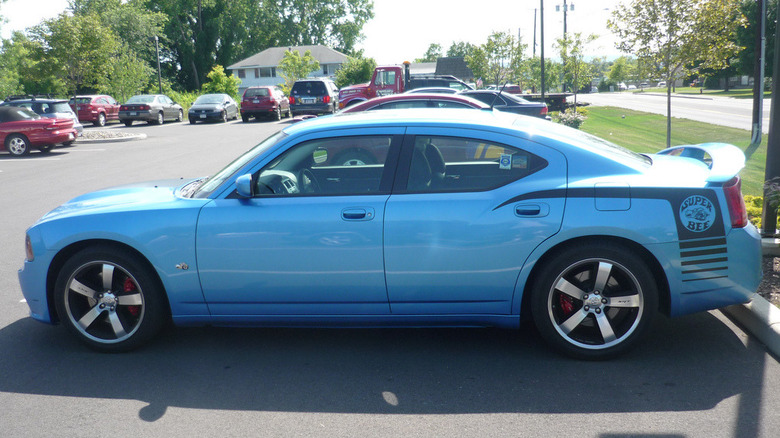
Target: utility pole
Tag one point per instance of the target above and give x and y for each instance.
(758, 75)
(159, 75)
(769, 215)
(564, 18)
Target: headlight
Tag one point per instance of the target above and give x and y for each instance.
(28, 249)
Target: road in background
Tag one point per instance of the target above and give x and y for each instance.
(694, 376)
(724, 111)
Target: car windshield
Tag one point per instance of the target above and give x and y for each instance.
(211, 184)
(141, 99)
(253, 92)
(209, 98)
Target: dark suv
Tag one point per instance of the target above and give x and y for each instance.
(314, 96)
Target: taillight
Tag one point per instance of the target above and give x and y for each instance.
(736, 203)
(543, 112)
(292, 100)
(326, 99)
(144, 107)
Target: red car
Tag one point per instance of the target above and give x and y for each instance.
(417, 100)
(264, 102)
(22, 129)
(97, 109)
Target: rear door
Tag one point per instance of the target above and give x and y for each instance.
(465, 217)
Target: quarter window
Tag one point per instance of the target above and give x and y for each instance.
(450, 164)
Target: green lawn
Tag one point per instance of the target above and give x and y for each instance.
(645, 132)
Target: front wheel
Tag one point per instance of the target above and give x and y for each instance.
(111, 301)
(594, 301)
(180, 116)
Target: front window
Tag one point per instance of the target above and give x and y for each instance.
(331, 166)
(385, 77)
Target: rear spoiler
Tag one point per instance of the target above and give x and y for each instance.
(725, 160)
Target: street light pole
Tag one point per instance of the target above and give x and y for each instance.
(541, 38)
(159, 76)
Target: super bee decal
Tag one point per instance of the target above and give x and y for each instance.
(697, 213)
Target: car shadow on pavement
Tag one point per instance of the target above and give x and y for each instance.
(690, 363)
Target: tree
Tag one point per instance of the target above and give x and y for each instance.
(673, 39)
(432, 54)
(460, 49)
(746, 37)
(127, 75)
(355, 71)
(499, 59)
(534, 73)
(293, 66)
(219, 82)
(576, 71)
(77, 48)
(620, 71)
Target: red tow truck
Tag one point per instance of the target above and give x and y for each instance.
(393, 79)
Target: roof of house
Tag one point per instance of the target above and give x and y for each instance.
(272, 57)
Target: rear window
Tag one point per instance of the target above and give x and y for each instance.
(309, 88)
(58, 107)
(257, 92)
(16, 114)
(141, 99)
(81, 100)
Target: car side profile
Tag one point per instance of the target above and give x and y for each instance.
(22, 130)
(97, 109)
(150, 108)
(467, 218)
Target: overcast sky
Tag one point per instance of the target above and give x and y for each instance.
(403, 29)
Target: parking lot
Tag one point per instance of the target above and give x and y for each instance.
(693, 376)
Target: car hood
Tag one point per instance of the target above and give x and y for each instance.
(139, 196)
(353, 87)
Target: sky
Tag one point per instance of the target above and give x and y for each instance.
(402, 30)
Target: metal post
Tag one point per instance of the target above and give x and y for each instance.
(758, 75)
(769, 215)
(564, 18)
(534, 33)
(541, 38)
(159, 76)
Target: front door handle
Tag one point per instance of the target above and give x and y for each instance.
(357, 214)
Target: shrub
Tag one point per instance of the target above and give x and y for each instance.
(571, 117)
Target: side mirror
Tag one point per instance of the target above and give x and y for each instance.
(244, 185)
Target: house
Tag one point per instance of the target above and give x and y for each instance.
(262, 68)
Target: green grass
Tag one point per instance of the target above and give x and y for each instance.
(645, 132)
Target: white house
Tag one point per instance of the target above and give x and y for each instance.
(262, 68)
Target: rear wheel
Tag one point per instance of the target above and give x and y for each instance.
(160, 118)
(17, 145)
(594, 301)
(278, 114)
(180, 116)
(46, 149)
(109, 300)
(244, 118)
(101, 120)
(128, 122)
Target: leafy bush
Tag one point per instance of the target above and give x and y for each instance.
(571, 117)
(755, 206)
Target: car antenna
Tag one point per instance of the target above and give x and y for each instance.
(496, 96)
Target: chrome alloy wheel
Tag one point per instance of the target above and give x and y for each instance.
(595, 304)
(104, 302)
(17, 146)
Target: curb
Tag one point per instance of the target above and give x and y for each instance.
(131, 137)
(761, 319)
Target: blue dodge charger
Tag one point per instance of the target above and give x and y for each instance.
(453, 218)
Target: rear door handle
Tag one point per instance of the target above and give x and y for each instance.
(532, 210)
(357, 214)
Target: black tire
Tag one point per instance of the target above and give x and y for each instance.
(160, 119)
(244, 118)
(46, 149)
(192, 121)
(277, 114)
(109, 299)
(17, 145)
(128, 122)
(101, 120)
(594, 301)
(180, 117)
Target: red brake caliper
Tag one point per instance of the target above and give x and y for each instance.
(129, 286)
(567, 304)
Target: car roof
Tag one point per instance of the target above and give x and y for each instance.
(530, 128)
(416, 96)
